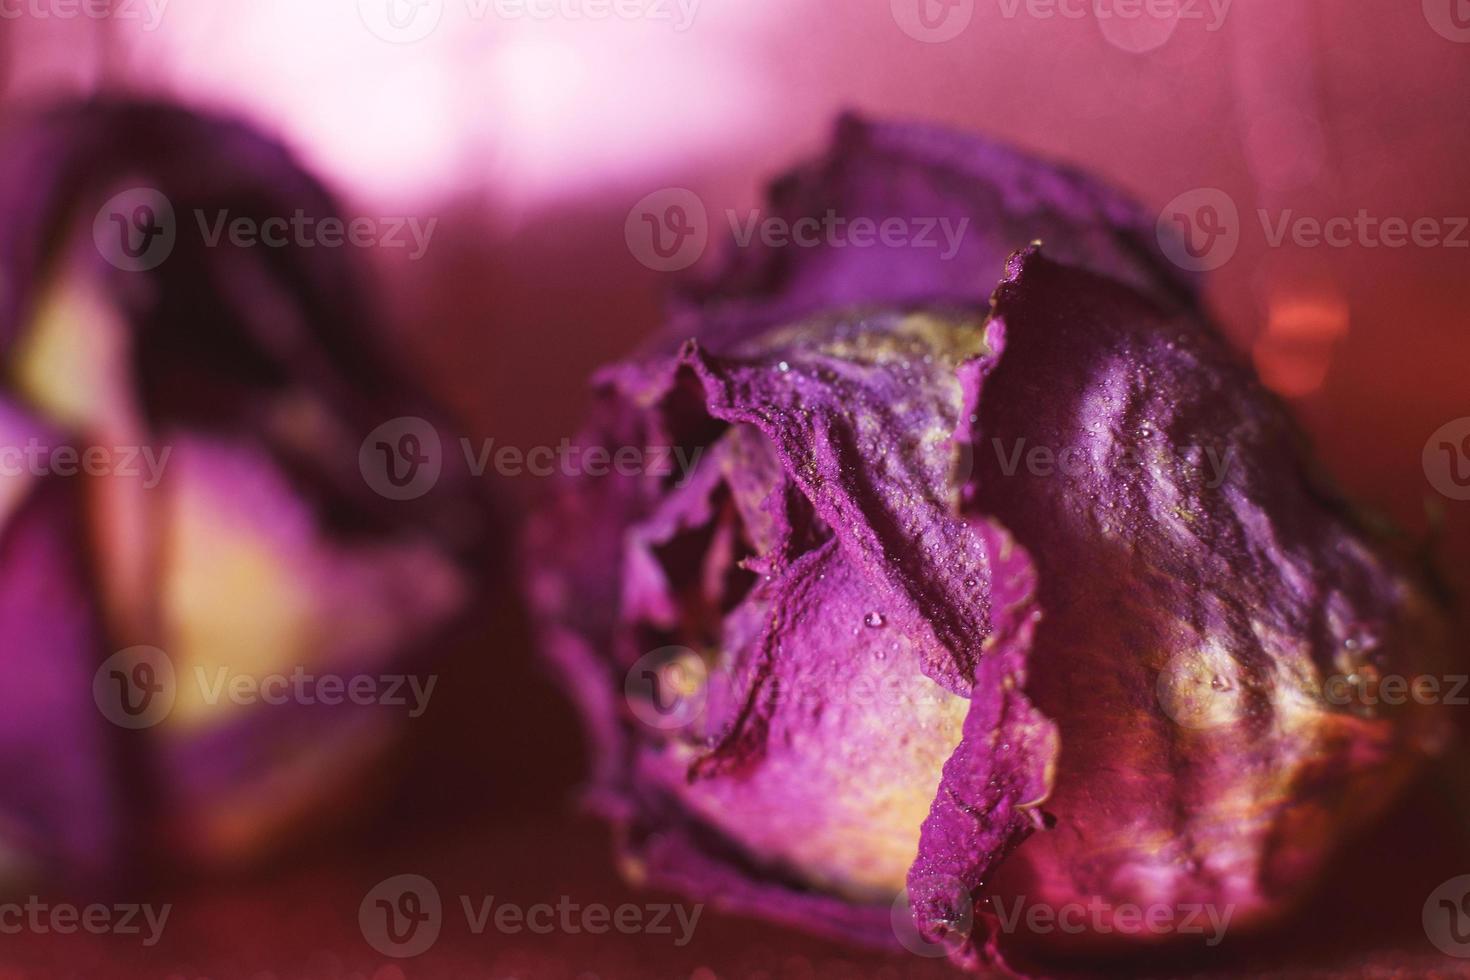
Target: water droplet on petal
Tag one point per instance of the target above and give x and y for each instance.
(1362, 639)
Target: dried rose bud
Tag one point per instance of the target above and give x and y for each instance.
(226, 521)
(962, 602)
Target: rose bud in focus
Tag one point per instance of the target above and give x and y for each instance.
(191, 536)
(972, 593)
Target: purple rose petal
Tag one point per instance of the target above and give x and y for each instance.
(1124, 637)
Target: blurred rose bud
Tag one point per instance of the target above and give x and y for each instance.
(191, 533)
(963, 603)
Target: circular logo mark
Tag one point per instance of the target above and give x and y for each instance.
(401, 21)
(135, 688)
(402, 458)
(947, 901)
(1446, 917)
(401, 916)
(1140, 29)
(1449, 18)
(666, 688)
(1198, 689)
(1447, 459)
(933, 21)
(1200, 229)
(135, 230)
(667, 230)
